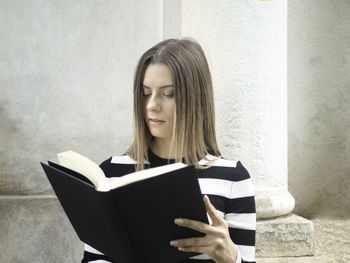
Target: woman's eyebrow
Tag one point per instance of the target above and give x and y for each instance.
(161, 87)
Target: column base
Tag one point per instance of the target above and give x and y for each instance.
(284, 236)
(273, 203)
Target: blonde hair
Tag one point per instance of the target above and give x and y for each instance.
(194, 117)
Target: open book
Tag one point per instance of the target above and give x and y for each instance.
(128, 218)
(94, 173)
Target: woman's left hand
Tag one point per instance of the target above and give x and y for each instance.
(217, 243)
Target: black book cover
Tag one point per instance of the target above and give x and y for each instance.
(86, 209)
(135, 222)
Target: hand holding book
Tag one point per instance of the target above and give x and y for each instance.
(216, 243)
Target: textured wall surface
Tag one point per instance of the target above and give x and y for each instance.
(66, 71)
(37, 230)
(319, 106)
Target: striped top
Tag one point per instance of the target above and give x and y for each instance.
(227, 184)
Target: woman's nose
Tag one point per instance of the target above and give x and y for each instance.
(153, 103)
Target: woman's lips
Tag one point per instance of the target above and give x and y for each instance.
(155, 121)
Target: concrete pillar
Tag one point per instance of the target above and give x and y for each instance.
(246, 42)
(246, 45)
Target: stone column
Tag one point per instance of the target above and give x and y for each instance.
(246, 46)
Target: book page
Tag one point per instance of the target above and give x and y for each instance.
(82, 165)
(113, 183)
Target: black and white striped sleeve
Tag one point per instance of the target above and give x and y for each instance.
(240, 214)
(229, 188)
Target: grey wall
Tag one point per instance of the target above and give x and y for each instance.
(66, 71)
(319, 107)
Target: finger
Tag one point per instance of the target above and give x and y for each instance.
(201, 250)
(195, 225)
(191, 242)
(214, 215)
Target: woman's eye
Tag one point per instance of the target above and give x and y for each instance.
(146, 94)
(169, 94)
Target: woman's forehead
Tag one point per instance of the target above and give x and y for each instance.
(157, 74)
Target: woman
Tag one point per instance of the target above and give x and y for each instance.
(174, 121)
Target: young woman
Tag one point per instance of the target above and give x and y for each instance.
(174, 121)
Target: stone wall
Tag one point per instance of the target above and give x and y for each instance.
(66, 72)
(319, 107)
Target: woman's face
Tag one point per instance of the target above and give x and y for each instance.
(159, 100)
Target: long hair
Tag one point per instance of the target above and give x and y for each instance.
(194, 117)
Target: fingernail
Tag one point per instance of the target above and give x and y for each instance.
(179, 221)
(206, 198)
(173, 243)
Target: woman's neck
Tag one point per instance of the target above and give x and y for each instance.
(161, 148)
